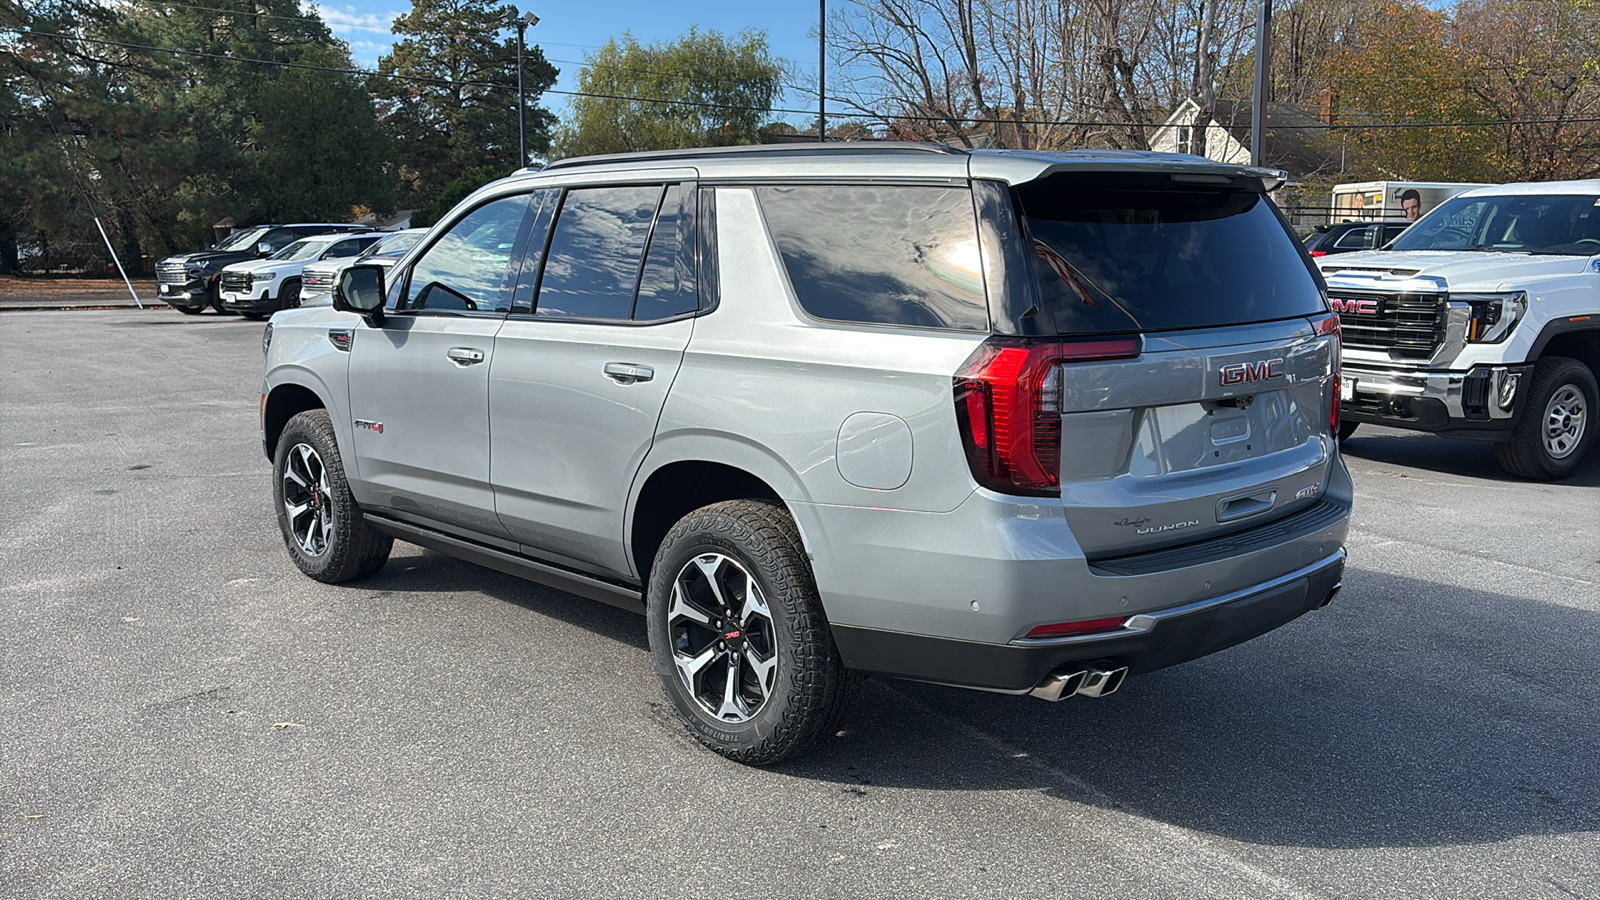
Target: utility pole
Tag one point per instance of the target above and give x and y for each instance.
(511, 19)
(1258, 93)
(822, 70)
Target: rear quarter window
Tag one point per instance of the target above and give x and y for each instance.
(902, 255)
(1119, 253)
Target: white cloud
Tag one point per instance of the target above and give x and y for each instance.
(348, 19)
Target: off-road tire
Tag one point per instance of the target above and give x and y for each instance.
(1527, 454)
(350, 547)
(1347, 428)
(810, 684)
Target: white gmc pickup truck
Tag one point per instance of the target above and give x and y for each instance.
(1481, 321)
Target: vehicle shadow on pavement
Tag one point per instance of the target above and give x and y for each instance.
(1431, 453)
(416, 570)
(1407, 714)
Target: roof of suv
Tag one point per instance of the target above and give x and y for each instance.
(901, 158)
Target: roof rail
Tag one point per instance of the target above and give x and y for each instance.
(758, 149)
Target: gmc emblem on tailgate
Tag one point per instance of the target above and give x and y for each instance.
(1244, 373)
(1364, 307)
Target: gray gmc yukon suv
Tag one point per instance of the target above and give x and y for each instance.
(1019, 421)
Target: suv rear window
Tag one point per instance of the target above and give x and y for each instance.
(1144, 253)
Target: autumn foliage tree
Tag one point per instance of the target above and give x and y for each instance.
(1402, 69)
(1536, 65)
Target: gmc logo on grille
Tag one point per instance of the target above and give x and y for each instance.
(1245, 373)
(1365, 307)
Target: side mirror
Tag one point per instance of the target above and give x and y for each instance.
(263, 249)
(360, 290)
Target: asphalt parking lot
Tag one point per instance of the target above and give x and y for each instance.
(182, 714)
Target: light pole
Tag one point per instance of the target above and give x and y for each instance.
(510, 19)
(822, 70)
(1258, 92)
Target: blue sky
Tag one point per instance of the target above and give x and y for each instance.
(568, 31)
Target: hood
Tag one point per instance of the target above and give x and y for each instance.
(257, 266)
(1462, 270)
(212, 257)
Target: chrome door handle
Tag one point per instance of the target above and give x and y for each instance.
(628, 373)
(464, 356)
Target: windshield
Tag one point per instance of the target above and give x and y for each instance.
(1546, 224)
(393, 245)
(302, 249)
(242, 240)
(1144, 253)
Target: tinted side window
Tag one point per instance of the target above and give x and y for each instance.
(466, 268)
(1143, 253)
(667, 286)
(592, 268)
(277, 239)
(348, 248)
(1355, 238)
(883, 255)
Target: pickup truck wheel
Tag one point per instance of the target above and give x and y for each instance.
(1558, 422)
(216, 303)
(738, 634)
(326, 533)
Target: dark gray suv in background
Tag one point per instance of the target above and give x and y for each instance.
(1019, 421)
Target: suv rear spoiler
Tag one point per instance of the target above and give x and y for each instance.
(1017, 167)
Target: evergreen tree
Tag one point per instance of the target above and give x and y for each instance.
(448, 92)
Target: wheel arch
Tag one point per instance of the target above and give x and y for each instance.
(1575, 340)
(685, 472)
(282, 403)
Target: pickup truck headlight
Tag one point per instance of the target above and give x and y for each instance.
(1493, 315)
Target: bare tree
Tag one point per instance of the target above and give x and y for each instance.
(1009, 73)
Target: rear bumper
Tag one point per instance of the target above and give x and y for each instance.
(1483, 399)
(1146, 642)
(950, 597)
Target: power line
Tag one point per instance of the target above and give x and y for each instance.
(703, 104)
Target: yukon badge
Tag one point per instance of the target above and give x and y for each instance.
(1174, 526)
(1245, 373)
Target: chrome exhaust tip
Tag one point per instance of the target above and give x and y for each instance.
(1102, 682)
(1331, 594)
(1057, 684)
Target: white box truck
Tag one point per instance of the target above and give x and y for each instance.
(1390, 199)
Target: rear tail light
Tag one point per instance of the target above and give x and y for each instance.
(1009, 402)
(1064, 629)
(1330, 325)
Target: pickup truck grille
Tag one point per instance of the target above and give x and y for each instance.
(238, 282)
(171, 273)
(1406, 326)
